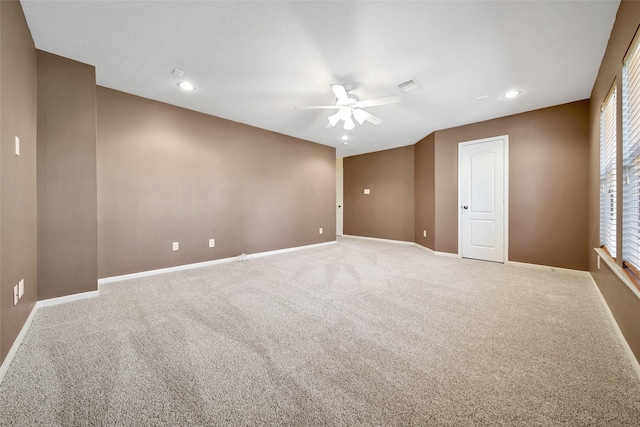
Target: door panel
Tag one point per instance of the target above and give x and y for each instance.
(482, 190)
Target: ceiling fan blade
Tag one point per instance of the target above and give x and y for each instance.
(362, 115)
(392, 99)
(340, 92)
(333, 120)
(317, 107)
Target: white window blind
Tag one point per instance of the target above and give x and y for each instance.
(608, 173)
(631, 159)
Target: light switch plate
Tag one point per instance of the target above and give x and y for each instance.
(176, 246)
(20, 288)
(367, 191)
(17, 146)
(15, 295)
(320, 230)
(212, 243)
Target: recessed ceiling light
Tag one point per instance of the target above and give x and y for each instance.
(512, 94)
(345, 137)
(186, 86)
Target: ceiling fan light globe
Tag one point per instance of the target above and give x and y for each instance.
(348, 124)
(345, 113)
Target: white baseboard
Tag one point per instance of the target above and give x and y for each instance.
(206, 263)
(39, 304)
(424, 248)
(623, 341)
(68, 298)
(16, 344)
(376, 239)
(295, 248)
(549, 268)
(449, 254)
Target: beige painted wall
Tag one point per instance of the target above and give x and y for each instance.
(622, 302)
(17, 173)
(424, 165)
(388, 212)
(548, 195)
(167, 174)
(67, 199)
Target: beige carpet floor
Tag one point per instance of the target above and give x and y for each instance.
(352, 334)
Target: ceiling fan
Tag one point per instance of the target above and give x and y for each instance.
(350, 107)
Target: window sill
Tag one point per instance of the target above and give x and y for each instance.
(622, 275)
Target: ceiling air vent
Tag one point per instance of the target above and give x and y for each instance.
(409, 85)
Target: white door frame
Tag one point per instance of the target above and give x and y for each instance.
(505, 139)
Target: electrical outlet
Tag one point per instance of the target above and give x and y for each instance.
(367, 191)
(16, 297)
(424, 233)
(212, 243)
(20, 288)
(321, 230)
(176, 246)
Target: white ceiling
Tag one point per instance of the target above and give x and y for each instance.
(253, 62)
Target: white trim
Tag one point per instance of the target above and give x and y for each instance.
(287, 250)
(447, 254)
(623, 341)
(376, 239)
(431, 251)
(438, 253)
(549, 268)
(67, 298)
(617, 270)
(16, 344)
(505, 139)
(205, 263)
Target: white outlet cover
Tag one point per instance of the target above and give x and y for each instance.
(16, 297)
(424, 233)
(367, 191)
(212, 243)
(176, 246)
(320, 230)
(20, 288)
(17, 146)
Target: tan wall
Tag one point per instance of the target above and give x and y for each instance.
(548, 197)
(624, 305)
(17, 173)
(168, 174)
(425, 192)
(67, 200)
(388, 212)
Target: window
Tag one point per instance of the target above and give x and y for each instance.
(608, 173)
(631, 159)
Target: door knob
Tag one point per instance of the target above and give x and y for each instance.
(465, 207)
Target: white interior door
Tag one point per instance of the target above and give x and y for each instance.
(482, 167)
(339, 201)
